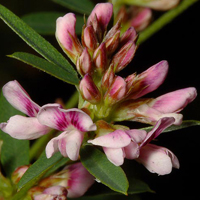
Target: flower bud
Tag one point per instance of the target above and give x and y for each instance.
(129, 35)
(84, 63)
(124, 56)
(100, 58)
(89, 90)
(52, 193)
(116, 92)
(89, 38)
(18, 173)
(108, 78)
(112, 38)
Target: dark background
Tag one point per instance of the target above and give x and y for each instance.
(178, 43)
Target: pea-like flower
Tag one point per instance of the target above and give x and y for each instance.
(73, 122)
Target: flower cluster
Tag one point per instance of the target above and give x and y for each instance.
(105, 98)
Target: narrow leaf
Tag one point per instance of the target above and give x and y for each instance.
(38, 43)
(41, 64)
(35, 173)
(14, 152)
(100, 167)
(83, 6)
(185, 124)
(45, 22)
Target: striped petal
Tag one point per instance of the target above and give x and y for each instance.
(19, 98)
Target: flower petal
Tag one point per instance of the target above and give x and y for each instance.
(116, 139)
(115, 156)
(132, 150)
(19, 98)
(79, 180)
(21, 127)
(103, 12)
(70, 144)
(157, 159)
(54, 116)
(65, 33)
(150, 79)
(162, 124)
(174, 101)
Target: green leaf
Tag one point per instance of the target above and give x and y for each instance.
(41, 64)
(45, 22)
(35, 173)
(14, 153)
(100, 167)
(185, 124)
(38, 43)
(83, 6)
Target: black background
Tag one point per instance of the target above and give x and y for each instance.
(178, 43)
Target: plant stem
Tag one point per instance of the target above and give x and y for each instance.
(164, 20)
(73, 101)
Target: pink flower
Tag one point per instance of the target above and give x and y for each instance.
(18, 126)
(75, 178)
(151, 110)
(73, 122)
(127, 143)
(52, 193)
(157, 159)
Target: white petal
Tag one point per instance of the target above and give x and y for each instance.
(21, 127)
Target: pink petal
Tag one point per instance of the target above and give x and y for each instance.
(158, 159)
(54, 116)
(79, 180)
(116, 139)
(174, 101)
(21, 127)
(137, 135)
(70, 144)
(150, 79)
(161, 125)
(132, 150)
(65, 33)
(103, 12)
(115, 156)
(19, 98)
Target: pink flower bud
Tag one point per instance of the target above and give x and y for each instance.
(142, 19)
(108, 78)
(116, 92)
(89, 90)
(129, 35)
(124, 56)
(84, 63)
(162, 4)
(112, 38)
(66, 36)
(18, 173)
(89, 38)
(100, 58)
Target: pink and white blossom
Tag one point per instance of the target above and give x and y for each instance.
(21, 127)
(72, 122)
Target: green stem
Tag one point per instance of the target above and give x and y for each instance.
(73, 101)
(164, 20)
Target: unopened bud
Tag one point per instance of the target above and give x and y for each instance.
(116, 92)
(84, 63)
(108, 78)
(18, 173)
(112, 38)
(124, 56)
(89, 38)
(89, 90)
(129, 35)
(100, 58)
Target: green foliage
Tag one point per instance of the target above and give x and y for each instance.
(83, 6)
(14, 152)
(100, 167)
(45, 22)
(38, 43)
